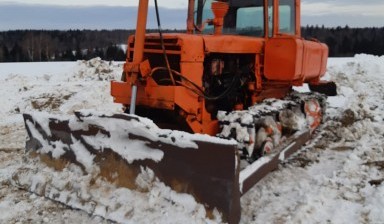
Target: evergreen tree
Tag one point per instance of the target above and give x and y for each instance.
(68, 55)
(16, 54)
(4, 54)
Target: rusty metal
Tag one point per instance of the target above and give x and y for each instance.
(191, 17)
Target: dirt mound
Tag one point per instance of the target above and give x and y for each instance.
(96, 69)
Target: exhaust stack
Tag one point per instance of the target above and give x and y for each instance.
(219, 9)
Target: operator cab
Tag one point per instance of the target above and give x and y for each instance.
(251, 18)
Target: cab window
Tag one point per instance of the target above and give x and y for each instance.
(287, 17)
(244, 17)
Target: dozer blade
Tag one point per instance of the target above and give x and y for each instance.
(116, 147)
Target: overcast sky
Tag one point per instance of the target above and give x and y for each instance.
(120, 14)
(165, 3)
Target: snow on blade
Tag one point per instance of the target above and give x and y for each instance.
(118, 132)
(131, 150)
(145, 127)
(83, 155)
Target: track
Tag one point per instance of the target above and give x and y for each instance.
(263, 128)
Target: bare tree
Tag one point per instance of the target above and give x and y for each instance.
(39, 47)
(47, 46)
(28, 45)
(2, 59)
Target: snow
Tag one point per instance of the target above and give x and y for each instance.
(336, 178)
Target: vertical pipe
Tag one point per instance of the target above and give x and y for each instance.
(200, 8)
(266, 19)
(132, 107)
(140, 31)
(191, 19)
(138, 50)
(276, 25)
(298, 17)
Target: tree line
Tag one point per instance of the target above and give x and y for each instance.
(346, 41)
(55, 45)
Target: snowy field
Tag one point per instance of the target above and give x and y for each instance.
(336, 178)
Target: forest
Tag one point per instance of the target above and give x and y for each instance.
(71, 45)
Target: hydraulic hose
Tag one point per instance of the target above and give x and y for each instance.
(162, 44)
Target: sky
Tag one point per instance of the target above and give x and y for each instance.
(164, 3)
(121, 14)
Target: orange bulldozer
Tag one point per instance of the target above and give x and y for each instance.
(210, 111)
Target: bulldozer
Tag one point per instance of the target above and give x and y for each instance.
(210, 111)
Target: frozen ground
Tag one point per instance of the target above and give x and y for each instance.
(336, 178)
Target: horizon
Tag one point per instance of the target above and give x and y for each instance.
(317, 26)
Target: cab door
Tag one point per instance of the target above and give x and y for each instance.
(288, 57)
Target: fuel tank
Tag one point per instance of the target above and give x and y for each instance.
(292, 59)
